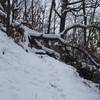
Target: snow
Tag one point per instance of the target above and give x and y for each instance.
(30, 32)
(48, 50)
(2, 13)
(27, 76)
(1, 7)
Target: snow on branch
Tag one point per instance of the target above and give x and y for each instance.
(28, 33)
(48, 50)
(1, 7)
(37, 35)
(2, 14)
(58, 36)
(85, 53)
(75, 2)
(80, 26)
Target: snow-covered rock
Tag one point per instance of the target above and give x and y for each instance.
(27, 76)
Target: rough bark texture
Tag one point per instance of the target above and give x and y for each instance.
(50, 15)
(8, 18)
(63, 15)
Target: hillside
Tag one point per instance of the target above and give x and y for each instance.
(27, 76)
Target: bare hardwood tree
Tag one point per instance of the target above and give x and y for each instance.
(50, 15)
(8, 18)
(32, 13)
(25, 11)
(85, 20)
(63, 14)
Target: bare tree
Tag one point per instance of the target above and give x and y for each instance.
(63, 14)
(85, 20)
(8, 17)
(50, 15)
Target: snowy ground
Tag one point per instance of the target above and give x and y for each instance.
(27, 76)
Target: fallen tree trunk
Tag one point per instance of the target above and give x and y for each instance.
(36, 35)
(87, 55)
(64, 42)
(57, 37)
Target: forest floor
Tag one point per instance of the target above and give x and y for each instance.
(28, 76)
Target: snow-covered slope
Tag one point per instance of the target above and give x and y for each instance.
(27, 76)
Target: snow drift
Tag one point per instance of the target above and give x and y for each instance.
(27, 76)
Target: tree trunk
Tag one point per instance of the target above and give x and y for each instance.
(14, 10)
(63, 15)
(50, 15)
(8, 18)
(32, 14)
(85, 20)
(25, 12)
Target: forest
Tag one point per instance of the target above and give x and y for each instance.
(67, 30)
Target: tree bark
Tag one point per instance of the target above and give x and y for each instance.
(50, 15)
(25, 12)
(63, 15)
(85, 20)
(8, 18)
(32, 14)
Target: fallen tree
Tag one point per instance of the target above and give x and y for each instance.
(57, 37)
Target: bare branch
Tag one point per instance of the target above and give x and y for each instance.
(80, 26)
(76, 2)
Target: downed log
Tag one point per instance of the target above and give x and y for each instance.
(28, 33)
(48, 51)
(58, 37)
(87, 55)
